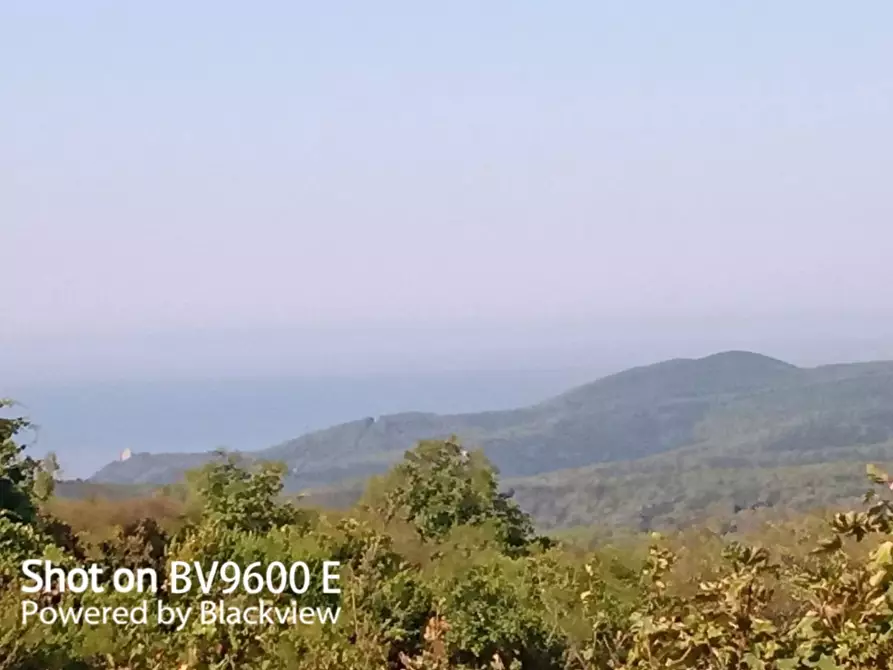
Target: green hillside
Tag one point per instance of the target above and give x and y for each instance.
(732, 409)
(659, 446)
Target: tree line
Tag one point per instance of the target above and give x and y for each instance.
(443, 571)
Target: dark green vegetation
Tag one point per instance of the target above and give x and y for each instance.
(652, 447)
(441, 571)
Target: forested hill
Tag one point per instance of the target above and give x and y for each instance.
(735, 406)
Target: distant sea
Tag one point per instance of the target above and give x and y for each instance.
(90, 424)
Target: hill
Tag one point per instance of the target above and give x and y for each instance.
(728, 410)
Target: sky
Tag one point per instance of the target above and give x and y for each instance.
(212, 187)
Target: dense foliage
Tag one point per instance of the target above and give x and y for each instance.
(443, 571)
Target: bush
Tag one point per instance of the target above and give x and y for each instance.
(440, 571)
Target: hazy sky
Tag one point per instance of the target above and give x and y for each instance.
(206, 185)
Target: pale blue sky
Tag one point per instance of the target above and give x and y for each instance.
(205, 186)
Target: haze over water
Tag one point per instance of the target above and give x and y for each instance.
(306, 195)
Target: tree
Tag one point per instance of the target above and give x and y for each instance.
(25, 483)
(19, 474)
(242, 498)
(440, 486)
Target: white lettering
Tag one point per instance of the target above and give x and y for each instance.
(327, 577)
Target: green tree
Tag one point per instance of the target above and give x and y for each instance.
(19, 474)
(242, 498)
(440, 486)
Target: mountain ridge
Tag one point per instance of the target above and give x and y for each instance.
(632, 414)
